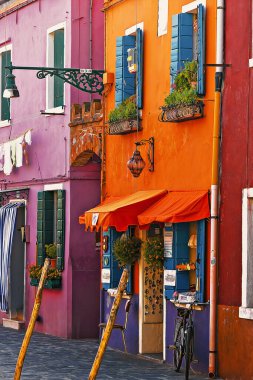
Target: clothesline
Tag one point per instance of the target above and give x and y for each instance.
(22, 135)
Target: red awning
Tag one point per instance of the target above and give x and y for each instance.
(120, 212)
(176, 207)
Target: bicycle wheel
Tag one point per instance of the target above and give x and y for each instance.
(188, 350)
(178, 351)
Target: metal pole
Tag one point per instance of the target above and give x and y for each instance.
(109, 326)
(29, 331)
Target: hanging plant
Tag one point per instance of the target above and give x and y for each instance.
(127, 250)
(154, 252)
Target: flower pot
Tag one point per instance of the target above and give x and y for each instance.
(53, 263)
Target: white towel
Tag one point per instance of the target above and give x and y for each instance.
(7, 159)
(19, 152)
(28, 137)
(1, 157)
(13, 152)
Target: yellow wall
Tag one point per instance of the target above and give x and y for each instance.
(182, 150)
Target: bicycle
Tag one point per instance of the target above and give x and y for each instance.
(183, 339)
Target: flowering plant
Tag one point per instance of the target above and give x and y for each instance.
(154, 252)
(127, 249)
(36, 270)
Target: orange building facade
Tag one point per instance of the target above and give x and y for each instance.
(177, 186)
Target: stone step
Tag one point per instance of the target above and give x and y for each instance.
(13, 324)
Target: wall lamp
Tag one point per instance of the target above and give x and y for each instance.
(136, 163)
(86, 80)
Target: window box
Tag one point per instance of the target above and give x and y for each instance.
(123, 127)
(176, 114)
(54, 283)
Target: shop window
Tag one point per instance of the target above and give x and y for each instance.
(55, 58)
(111, 272)
(5, 59)
(129, 67)
(246, 309)
(188, 43)
(51, 224)
(184, 264)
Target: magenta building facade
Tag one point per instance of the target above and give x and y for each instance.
(46, 33)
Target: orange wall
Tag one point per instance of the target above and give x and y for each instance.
(182, 150)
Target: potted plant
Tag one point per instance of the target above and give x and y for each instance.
(154, 252)
(182, 103)
(127, 250)
(51, 250)
(53, 279)
(123, 119)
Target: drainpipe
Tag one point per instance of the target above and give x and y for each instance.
(215, 186)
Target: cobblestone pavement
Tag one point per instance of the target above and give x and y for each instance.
(59, 359)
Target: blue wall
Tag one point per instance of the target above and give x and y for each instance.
(201, 336)
(132, 331)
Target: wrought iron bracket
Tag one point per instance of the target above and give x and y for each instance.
(150, 152)
(86, 80)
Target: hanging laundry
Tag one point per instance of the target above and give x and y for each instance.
(13, 152)
(1, 157)
(19, 152)
(7, 159)
(28, 137)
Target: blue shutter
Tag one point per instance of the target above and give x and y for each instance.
(60, 228)
(201, 50)
(58, 62)
(5, 103)
(125, 85)
(109, 262)
(180, 254)
(200, 270)
(182, 41)
(139, 45)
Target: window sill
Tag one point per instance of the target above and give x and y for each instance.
(251, 62)
(245, 312)
(53, 111)
(5, 123)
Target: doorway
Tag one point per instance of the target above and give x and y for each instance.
(17, 269)
(151, 303)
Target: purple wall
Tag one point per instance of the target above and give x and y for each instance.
(72, 311)
(132, 331)
(201, 336)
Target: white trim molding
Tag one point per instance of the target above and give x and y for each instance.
(50, 63)
(53, 187)
(246, 309)
(133, 29)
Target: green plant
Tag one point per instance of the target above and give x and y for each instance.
(127, 250)
(51, 250)
(183, 90)
(36, 270)
(154, 252)
(126, 110)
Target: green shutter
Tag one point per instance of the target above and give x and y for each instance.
(5, 103)
(60, 228)
(45, 223)
(58, 62)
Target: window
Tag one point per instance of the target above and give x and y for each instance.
(188, 246)
(129, 83)
(162, 17)
(5, 59)
(51, 224)
(111, 272)
(188, 41)
(55, 58)
(246, 309)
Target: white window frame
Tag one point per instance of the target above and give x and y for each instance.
(50, 63)
(162, 17)
(3, 49)
(193, 6)
(246, 309)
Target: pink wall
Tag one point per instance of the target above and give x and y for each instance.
(63, 311)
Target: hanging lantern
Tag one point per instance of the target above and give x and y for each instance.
(136, 164)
